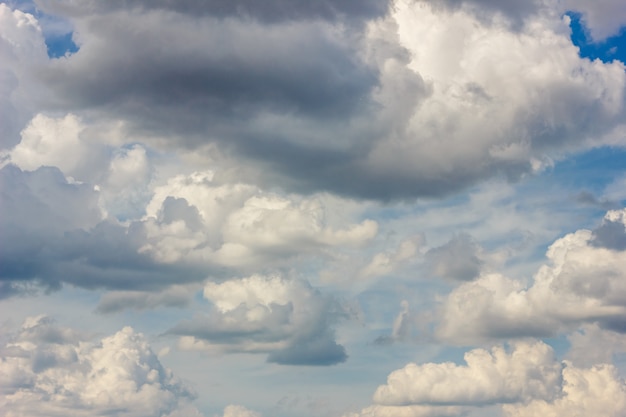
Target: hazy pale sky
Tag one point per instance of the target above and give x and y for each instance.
(333, 208)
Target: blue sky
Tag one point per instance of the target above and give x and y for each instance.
(296, 209)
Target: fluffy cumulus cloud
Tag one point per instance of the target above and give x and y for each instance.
(239, 226)
(283, 317)
(582, 282)
(475, 120)
(595, 391)
(52, 371)
(528, 371)
(526, 380)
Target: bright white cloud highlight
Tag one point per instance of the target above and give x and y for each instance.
(238, 225)
(528, 371)
(586, 392)
(50, 371)
(239, 411)
(526, 381)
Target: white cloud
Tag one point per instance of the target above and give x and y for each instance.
(239, 411)
(239, 225)
(284, 317)
(525, 381)
(527, 371)
(499, 99)
(50, 371)
(386, 262)
(582, 282)
(408, 411)
(22, 53)
(586, 392)
(47, 141)
(213, 200)
(276, 224)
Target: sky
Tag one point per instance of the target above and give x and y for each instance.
(340, 208)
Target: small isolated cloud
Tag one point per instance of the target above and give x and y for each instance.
(284, 318)
(52, 371)
(402, 327)
(582, 282)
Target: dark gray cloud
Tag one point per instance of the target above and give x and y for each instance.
(515, 10)
(51, 233)
(312, 350)
(116, 301)
(104, 257)
(197, 72)
(271, 11)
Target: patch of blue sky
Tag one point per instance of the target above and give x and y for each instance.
(61, 45)
(607, 50)
(588, 172)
